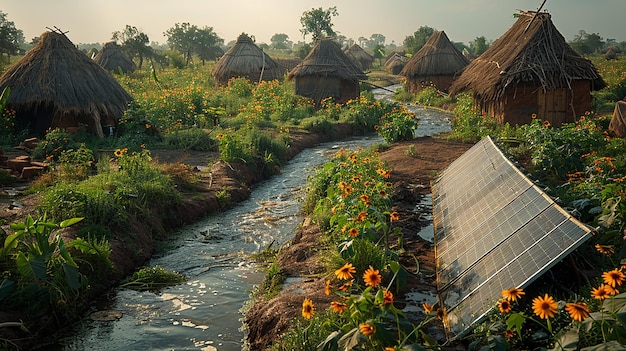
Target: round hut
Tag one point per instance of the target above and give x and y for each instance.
(111, 58)
(359, 56)
(56, 85)
(531, 71)
(327, 72)
(436, 64)
(395, 63)
(245, 60)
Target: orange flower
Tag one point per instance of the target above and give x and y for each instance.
(345, 272)
(602, 292)
(388, 297)
(504, 306)
(367, 329)
(307, 308)
(442, 313)
(578, 311)
(394, 216)
(365, 198)
(345, 287)
(605, 249)
(354, 232)
(327, 289)
(361, 216)
(372, 277)
(428, 308)
(544, 307)
(613, 278)
(338, 307)
(513, 294)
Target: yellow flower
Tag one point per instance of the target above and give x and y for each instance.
(338, 307)
(544, 307)
(504, 306)
(605, 249)
(345, 272)
(546, 124)
(118, 152)
(346, 286)
(354, 232)
(372, 277)
(613, 278)
(307, 308)
(578, 311)
(394, 216)
(601, 292)
(327, 289)
(367, 329)
(513, 294)
(361, 216)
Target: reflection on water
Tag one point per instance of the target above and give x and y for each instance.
(204, 313)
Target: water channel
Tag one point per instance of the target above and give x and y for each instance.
(205, 313)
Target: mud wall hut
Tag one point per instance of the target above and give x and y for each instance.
(395, 63)
(112, 59)
(327, 72)
(359, 56)
(245, 60)
(56, 85)
(437, 63)
(531, 71)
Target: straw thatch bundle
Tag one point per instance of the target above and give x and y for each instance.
(531, 69)
(246, 60)
(56, 85)
(437, 63)
(532, 51)
(395, 63)
(111, 58)
(610, 55)
(614, 48)
(327, 72)
(617, 126)
(359, 56)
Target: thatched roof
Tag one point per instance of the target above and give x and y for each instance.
(531, 51)
(245, 59)
(327, 59)
(614, 48)
(438, 57)
(55, 75)
(361, 57)
(395, 63)
(111, 58)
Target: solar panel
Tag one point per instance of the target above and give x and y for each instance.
(493, 230)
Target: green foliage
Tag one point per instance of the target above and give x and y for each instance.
(468, 124)
(430, 96)
(153, 279)
(413, 43)
(52, 146)
(397, 125)
(190, 39)
(318, 22)
(75, 164)
(190, 139)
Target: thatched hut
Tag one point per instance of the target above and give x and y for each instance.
(436, 64)
(327, 72)
(531, 70)
(245, 60)
(359, 56)
(610, 55)
(395, 63)
(111, 58)
(56, 85)
(617, 126)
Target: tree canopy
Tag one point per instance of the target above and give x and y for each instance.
(415, 42)
(586, 43)
(133, 42)
(317, 22)
(281, 41)
(10, 37)
(190, 39)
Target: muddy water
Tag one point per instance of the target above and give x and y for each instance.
(205, 313)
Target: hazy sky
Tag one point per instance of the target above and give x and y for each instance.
(90, 21)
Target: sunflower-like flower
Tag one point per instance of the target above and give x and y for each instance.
(428, 308)
(504, 306)
(367, 329)
(345, 272)
(338, 307)
(307, 308)
(388, 297)
(602, 292)
(327, 288)
(577, 310)
(613, 278)
(513, 294)
(394, 216)
(361, 216)
(372, 277)
(353, 231)
(605, 249)
(544, 307)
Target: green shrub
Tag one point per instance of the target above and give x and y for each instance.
(190, 139)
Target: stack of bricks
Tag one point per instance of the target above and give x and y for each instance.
(22, 166)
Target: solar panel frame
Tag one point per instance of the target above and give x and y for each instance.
(494, 229)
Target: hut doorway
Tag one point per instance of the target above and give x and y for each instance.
(555, 105)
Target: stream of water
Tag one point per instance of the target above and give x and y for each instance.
(205, 313)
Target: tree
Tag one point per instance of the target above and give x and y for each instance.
(280, 41)
(189, 39)
(479, 45)
(585, 43)
(133, 42)
(415, 42)
(377, 39)
(318, 22)
(10, 37)
(302, 50)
